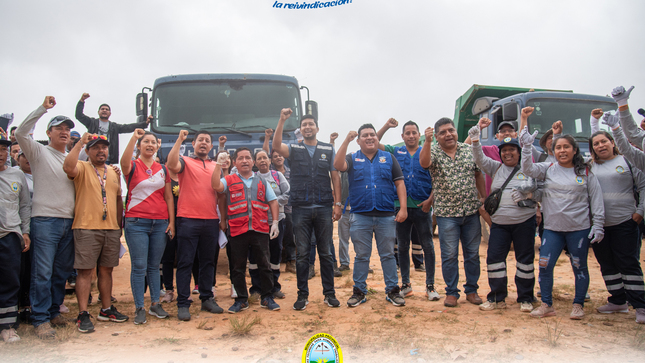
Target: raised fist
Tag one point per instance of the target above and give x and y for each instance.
(474, 133)
(333, 137)
(85, 96)
(222, 140)
(285, 113)
(222, 158)
(429, 134)
(85, 138)
(557, 127)
(49, 102)
(351, 135)
(138, 133)
(620, 95)
(527, 139)
(483, 123)
(183, 134)
(392, 123)
(596, 113)
(149, 120)
(268, 132)
(527, 111)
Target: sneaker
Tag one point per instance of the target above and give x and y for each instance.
(640, 315)
(394, 296)
(337, 272)
(491, 305)
(343, 268)
(331, 301)
(543, 311)
(162, 292)
(238, 306)
(63, 309)
(269, 303)
(72, 281)
(290, 267)
(233, 292)
(577, 313)
(59, 321)
(526, 307)
(10, 335)
(169, 297)
(211, 306)
(357, 298)
(587, 297)
(406, 290)
(420, 268)
(278, 295)
(84, 323)
(312, 272)
(112, 314)
(183, 313)
(301, 303)
(196, 290)
(158, 311)
(432, 294)
(140, 316)
(610, 308)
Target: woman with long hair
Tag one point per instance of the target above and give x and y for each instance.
(574, 216)
(149, 216)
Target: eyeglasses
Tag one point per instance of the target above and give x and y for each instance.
(94, 137)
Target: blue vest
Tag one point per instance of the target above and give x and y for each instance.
(310, 180)
(370, 183)
(418, 182)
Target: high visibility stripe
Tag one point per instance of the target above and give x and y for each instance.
(632, 278)
(496, 266)
(612, 277)
(524, 267)
(417, 252)
(497, 275)
(635, 287)
(253, 266)
(275, 267)
(615, 287)
(9, 320)
(524, 275)
(9, 309)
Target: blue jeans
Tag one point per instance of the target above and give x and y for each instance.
(343, 239)
(306, 220)
(451, 230)
(423, 223)
(52, 243)
(361, 229)
(552, 245)
(146, 239)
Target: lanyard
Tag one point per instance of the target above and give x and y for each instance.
(103, 194)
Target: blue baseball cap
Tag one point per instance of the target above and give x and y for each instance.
(75, 134)
(509, 141)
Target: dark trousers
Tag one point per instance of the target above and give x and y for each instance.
(288, 240)
(275, 255)
(258, 245)
(168, 264)
(406, 231)
(10, 250)
(522, 235)
(25, 278)
(306, 220)
(312, 252)
(196, 236)
(617, 255)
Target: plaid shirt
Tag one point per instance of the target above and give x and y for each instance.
(453, 182)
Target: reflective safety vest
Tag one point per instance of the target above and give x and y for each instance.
(418, 182)
(370, 183)
(310, 179)
(248, 209)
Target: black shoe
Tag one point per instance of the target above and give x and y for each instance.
(330, 300)
(343, 268)
(420, 268)
(211, 306)
(394, 296)
(301, 303)
(112, 315)
(84, 323)
(357, 298)
(72, 281)
(183, 314)
(337, 272)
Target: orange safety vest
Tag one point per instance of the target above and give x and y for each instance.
(247, 207)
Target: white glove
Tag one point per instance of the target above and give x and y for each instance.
(474, 133)
(525, 138)
(528, 186)
(620, 95)
(518, 196)
(222, 158)
(610, 120)
(274, 230)
(598, 233)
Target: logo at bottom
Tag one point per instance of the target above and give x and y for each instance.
(322, 348)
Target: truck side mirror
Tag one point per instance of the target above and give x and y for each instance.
(142, 105)
(311, 108)
(509, 111)
(483, 104)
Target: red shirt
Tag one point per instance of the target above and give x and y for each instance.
(146, 191)
(197, 198)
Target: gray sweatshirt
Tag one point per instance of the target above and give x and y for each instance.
(508, 211)
(633, 132)
(567, 199)
(281, 191)
(15, 203)
(616, 181)
(631, 153)
(54, 194)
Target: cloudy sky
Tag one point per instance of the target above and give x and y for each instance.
(363, 62)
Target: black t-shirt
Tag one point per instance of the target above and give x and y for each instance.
(397, 174)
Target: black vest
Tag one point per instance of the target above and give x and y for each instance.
(310, 177)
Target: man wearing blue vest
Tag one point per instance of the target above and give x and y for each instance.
(375, 177)
(312, 197)
(418, 185)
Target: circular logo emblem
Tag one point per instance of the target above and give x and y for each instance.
(322, 348)
(508, 139)
(521, 176)
(14, 187)
(580, 180)
(323, 156)
(620, 169)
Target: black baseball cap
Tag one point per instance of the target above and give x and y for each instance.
(97, 139)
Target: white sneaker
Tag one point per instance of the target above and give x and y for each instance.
(491, 305)
(233, 292)
(162, 292)
(577, 313)
(10, 335)
(610, 308)
(432, 294)
(526, 307)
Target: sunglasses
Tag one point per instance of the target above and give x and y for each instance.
(94, 137)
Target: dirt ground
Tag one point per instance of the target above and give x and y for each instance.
(422, 331)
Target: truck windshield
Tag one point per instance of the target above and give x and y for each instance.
(243, 106)
(573, 113)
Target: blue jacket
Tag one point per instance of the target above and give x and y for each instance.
(418, 182)
(370, 183)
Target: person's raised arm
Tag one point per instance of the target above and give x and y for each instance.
(594, 119)
(425, 155)
(528, 167)
(28, 145)
(482, 124)
(488, 165)
(633, 155)
(222, 143)
(265, 145)
(126, 158)
(80, 116)
(524, 118)
(216, 183)
(340, 163)
(127, 128)
(332, 138)
(71, 160)
(278, 146)
(172, 163)
(389, 124)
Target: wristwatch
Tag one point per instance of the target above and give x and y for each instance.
(338, 204)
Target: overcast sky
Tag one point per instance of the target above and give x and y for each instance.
(363, 62)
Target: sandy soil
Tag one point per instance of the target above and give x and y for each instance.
(422, 331)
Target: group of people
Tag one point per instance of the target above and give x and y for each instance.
(190, 207)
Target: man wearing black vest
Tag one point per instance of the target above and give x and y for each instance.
(312, 197)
